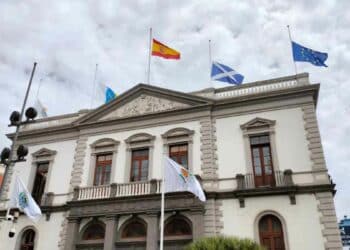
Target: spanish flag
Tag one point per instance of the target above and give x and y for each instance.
(161, 50)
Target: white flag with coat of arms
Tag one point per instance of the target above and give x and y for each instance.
(23, 200)
(178, 178)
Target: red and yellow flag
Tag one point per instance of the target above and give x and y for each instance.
(161, 50)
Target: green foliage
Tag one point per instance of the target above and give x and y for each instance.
(224, 243)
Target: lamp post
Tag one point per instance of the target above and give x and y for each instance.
(6, 156)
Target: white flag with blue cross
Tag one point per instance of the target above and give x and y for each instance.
(223, 73)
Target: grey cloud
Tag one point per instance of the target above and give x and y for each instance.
(68, 38)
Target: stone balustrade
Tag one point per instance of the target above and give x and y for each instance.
(117, 190)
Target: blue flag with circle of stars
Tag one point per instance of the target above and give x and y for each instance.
(303, 54)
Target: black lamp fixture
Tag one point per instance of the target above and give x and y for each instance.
(31, 113)
(22, 151)
(14, 118)
(5, 155)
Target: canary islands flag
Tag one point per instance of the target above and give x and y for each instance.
(23, 200)
(161, 50)
(178, 178)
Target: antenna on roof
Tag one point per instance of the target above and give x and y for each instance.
(93, 86)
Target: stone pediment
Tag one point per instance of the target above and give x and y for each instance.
(144, 104)
(258, 122)
(143, 100)
(44, 152)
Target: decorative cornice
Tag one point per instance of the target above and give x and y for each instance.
(193, 203)
(257, 123)
(104, 142)
(44, 152)
(73, 129)
(140, 137)
(175, 132)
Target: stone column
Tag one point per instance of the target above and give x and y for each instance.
(197, 224)
(72, 233)
(110, 233)
(152, 232)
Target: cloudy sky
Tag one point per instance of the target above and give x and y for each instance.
(68, 38)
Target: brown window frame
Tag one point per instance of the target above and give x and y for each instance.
(129, 228)
(176, 156)
(263, 179)
(92, 230)
(103, 164)
(139, 159)
(176, 223)
(40, 181)
(28, 240)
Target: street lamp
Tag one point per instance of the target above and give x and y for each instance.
(16, 120)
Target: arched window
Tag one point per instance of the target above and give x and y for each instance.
(94, 232)
(134, 230)
(271, 233)
(27, 240)
(177, 227)
(177, 232)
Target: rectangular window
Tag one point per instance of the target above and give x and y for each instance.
(179, 153)
(103, 169)
(40, 181)
(139, 165)
(262, 161)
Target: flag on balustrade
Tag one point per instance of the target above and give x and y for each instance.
(178, 178)
(23, 200)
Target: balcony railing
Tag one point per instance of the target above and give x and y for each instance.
(117, 190)
(282, 179)
(114, 190)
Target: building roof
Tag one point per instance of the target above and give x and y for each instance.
(151, 102)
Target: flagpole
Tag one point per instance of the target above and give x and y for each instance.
(290, 39)
(149, 56)
(162, 208)
(210, 65)
(14, 141)
(93, 86)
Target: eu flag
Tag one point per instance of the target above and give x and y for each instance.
(303, 54)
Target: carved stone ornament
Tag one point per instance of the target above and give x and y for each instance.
(144, 104)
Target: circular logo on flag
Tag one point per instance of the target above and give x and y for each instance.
(184, 174)
(23, 200)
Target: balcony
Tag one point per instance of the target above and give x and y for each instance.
(281, 179)
(115, 190)
(283, 184)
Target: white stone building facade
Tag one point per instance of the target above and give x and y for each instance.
(256, 148)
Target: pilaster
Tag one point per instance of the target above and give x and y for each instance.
(152, 231)
(78, 165)
(110, 233)
(328, 220)
(72, 233)
(315, 145)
